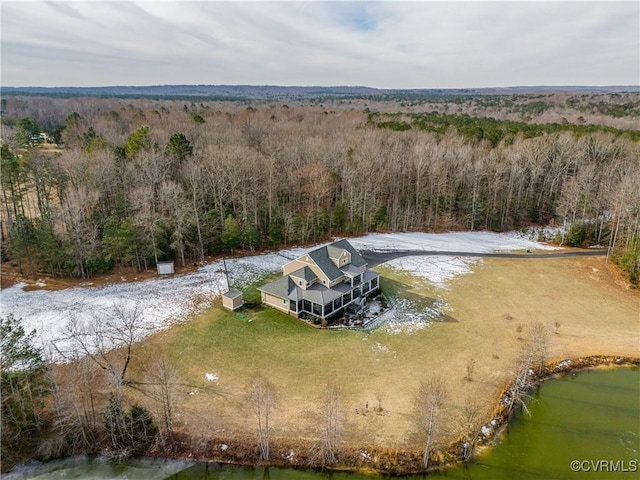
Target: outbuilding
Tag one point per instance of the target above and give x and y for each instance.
(165, 268)
(232, 299)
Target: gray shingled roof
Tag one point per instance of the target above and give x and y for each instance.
(305, 273)
(369, 275)
(356, 258)
(334, 252)
(322, 259)
(319, 294)
(284, 287)
(232, 293)
(280, 287)
(351, 270)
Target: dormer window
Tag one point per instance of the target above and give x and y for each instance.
(300, 282)
(324, 282)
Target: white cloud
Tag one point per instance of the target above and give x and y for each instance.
(382, 44)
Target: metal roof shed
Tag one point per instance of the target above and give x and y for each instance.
(165, 268)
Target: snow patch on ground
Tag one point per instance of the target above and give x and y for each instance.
(539, 234)
(164, 301)
(438, 270)
(169, 300)
(379, 347)
(211, 377)
(473, 242)
(407, 316)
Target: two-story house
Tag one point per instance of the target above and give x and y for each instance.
(322, 282)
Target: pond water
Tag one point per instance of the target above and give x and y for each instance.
(593, 416)
(582, 426)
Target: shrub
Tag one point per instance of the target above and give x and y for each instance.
(576, 235)
(629, 263)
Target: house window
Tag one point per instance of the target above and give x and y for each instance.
(300, 282)
(324, 282)
(328, 308)
(284, 300)
(346, 298)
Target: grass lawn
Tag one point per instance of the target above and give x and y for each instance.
(597, 315)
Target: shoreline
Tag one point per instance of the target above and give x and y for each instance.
(553, 370)
(374, 461)
(377, 461)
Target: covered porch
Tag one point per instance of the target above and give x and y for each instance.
(323, 302)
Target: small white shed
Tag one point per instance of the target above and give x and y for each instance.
(232, 299)
(165, 268)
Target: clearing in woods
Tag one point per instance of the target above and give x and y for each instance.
(582, 301)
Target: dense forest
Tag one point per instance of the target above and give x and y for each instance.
(89, 184)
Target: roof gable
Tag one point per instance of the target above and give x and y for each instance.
(356, 258)
(305, 274)
(334, 252)
(323, 258)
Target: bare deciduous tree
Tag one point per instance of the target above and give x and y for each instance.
(469, 422)
(76, 402)
(282, 172)
(263, 398)
(518, 393)
(332, 421)
(539, 346)
(164, 378)
(107, 339)
(429, 404)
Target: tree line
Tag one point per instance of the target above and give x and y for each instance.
(133, 183)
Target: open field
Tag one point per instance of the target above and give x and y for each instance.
(48, 304)
(449, 310)
(595, 312)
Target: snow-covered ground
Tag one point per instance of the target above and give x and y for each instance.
(472, 242)
(440, 269)
(165, 301)
(437, 270)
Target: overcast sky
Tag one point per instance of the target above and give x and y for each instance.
(378, 44)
